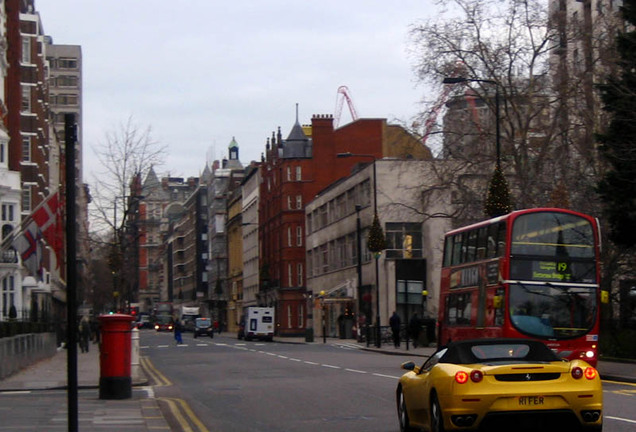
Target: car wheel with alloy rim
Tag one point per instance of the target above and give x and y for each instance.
(437, 420)
(403, 415)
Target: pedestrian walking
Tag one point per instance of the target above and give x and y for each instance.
(84, 333)
(395, 324)
(177, 332)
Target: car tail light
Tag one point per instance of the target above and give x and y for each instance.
(590, 373)
(461, 377)
(476, 376)
(577, 372)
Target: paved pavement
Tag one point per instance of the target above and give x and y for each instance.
(142, 410)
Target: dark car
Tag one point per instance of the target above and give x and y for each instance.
(203, 327)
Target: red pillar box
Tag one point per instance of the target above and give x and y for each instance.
(114, 357)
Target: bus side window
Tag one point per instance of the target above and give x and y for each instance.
(472, 246)
(457, 249)
(501, 239)
(491, 248)
(482, 241)
(448, 251)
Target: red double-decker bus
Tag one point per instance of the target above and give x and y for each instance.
(531, 273)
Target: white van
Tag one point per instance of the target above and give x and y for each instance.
(259, 323)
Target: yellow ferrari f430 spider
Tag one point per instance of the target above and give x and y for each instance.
(499, 384)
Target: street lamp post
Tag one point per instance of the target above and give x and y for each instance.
(378, 342)
(458, 80)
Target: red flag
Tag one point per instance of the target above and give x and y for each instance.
(48, 217)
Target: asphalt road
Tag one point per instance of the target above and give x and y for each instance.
(223, 384)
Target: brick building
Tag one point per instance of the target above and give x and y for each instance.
(293, 171)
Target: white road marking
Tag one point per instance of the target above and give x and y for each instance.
(330, 366)
(356, 371)
(619, 419)
(311, 363)
(385, 376)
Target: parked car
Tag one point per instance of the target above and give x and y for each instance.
(164, 323)
(143, 322)
(499, 384)
(203, 327)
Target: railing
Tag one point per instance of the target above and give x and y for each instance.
(15, 327)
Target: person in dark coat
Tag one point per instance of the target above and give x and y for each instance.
(395, 324)
(178, 328)
(84, 334)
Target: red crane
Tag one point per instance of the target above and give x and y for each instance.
(344, 91)
(430, 122)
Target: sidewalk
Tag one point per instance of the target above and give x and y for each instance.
(95, 414)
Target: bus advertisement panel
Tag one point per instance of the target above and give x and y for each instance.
(531, 273)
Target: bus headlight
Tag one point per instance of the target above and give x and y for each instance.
(589, 354)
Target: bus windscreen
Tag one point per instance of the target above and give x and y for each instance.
(551, 234)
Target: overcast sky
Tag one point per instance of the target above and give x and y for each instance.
(200, 72)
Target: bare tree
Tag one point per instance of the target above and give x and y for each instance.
(506, 53)
(126, 154)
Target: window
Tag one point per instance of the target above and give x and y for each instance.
(289, 202)
(301, 316)
(65, 99)
(67, 63)
(26, 198)
(7, 212)
(26, 149)
(2, 154)
(299, 236)
(396, 233)
(289, 317)
(26, 99)
(299, 202)
(66, 81)
(26, 49)
(458, 309)
(290, 275)
(289, 173)
(8, 295)
(299, 270)
(289, 236)
(299, 173)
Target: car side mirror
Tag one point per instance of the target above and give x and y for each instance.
(409, 366)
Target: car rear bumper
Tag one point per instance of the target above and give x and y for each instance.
(493, 411)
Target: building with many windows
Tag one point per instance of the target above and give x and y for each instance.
(341, 275)
(293, 172)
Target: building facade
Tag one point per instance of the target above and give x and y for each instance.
(293, 172)
(341, 275)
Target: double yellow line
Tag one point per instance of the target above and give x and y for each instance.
(184, 415)
(179, 408)
(158, 379)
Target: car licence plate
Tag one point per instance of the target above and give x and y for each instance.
(531, 400)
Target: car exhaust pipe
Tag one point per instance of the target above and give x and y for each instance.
(591, 415)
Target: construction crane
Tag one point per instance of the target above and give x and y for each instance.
(344, 91)
(431, 120)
